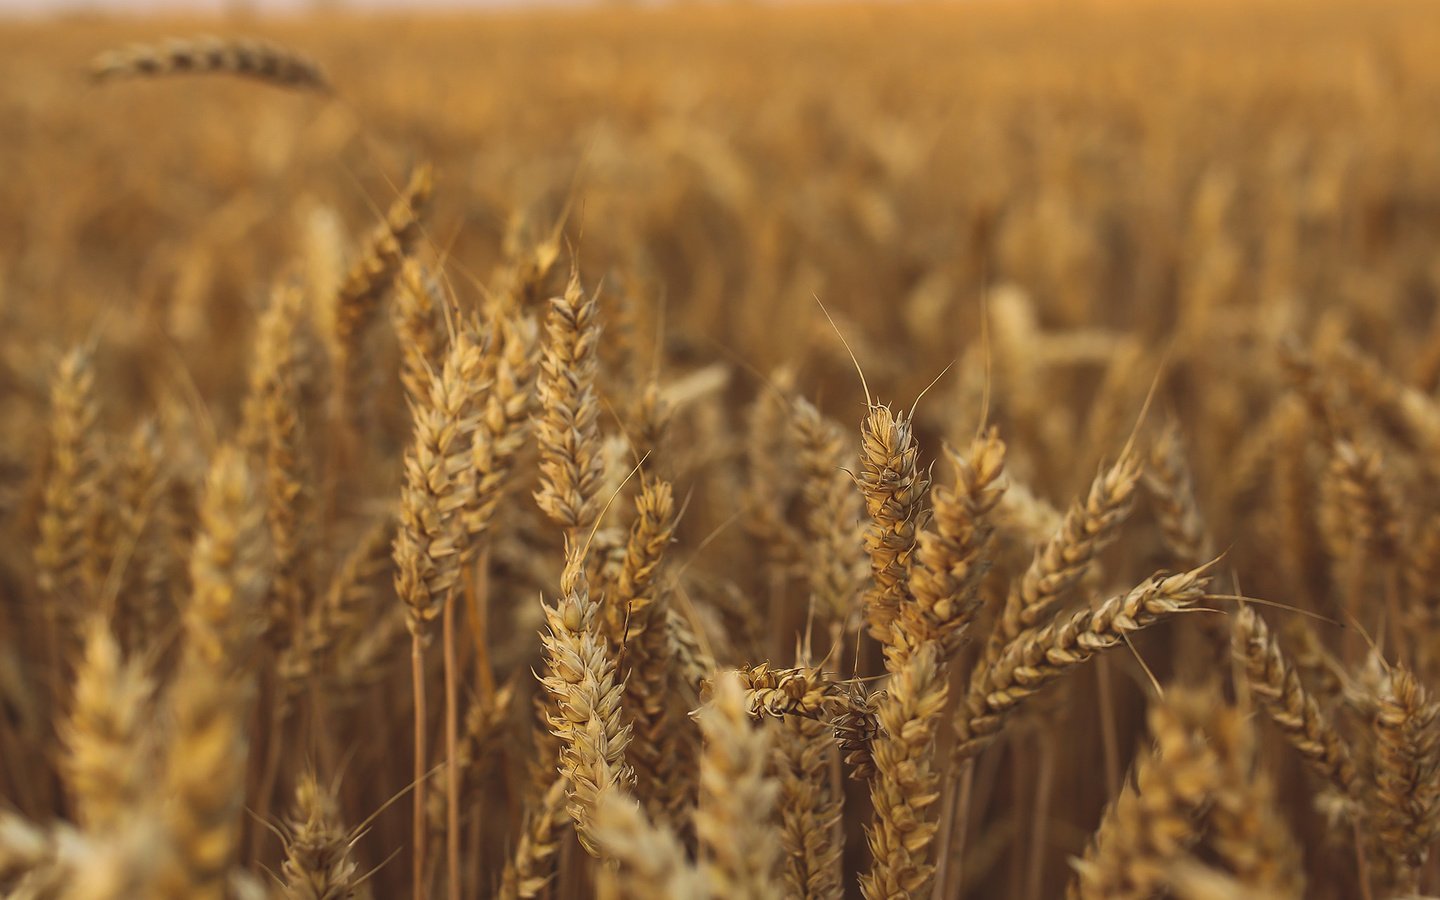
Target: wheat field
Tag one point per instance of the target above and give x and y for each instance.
(943, 451)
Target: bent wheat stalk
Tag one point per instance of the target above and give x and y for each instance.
(249, 58)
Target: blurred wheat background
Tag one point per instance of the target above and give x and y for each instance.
(437, 460)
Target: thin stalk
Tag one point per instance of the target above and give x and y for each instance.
(942, 838)
(1399, 635)
(417, 685)
(321, 737)
(19, 787)
(961, 817)
(477, 596)
(270, 771)
(1108, 738)
(1362, 867)
(947, 799)
(1019, 781)
(1044, 789)
(452, 743)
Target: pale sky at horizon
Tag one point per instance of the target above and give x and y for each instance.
(140, 7)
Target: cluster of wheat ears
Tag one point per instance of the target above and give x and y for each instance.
(437, 583)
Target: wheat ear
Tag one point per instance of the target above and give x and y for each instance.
(1063, 560)
(275, 397)
(109, 740)
(66, 553)
(837, 567)
(318, 864)
(529, 869)
(905, 787)
(652, 864)
(580, 678)
(243, 57)
(1405, 801)
(372, 275)
(210, 699)
(1156, 817)
(638, 623)
(951, 557)
(894, 489)
(739, 848)
(1038, 657)
(1274, 681)
(568, 425)
(809, 809)
(1245, 827)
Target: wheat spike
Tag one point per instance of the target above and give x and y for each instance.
(568, 426)
(1405, 801)
(894, 490)
(739, 850)
(318, 864)
(580, 678)
(243, 57)
(204, 767)
(1275, 683)
(1037, 657)
(836, 568)
(371, 277)
(529, 870)
(1156, 817)
(652, 864)
(1064, 559)
(950, 559)
(905, 787)
(438, 486)
(809, 810)
(109, 737)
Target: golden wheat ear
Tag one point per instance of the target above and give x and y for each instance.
(249, 58)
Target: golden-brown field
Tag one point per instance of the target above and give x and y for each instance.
(461, 482)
